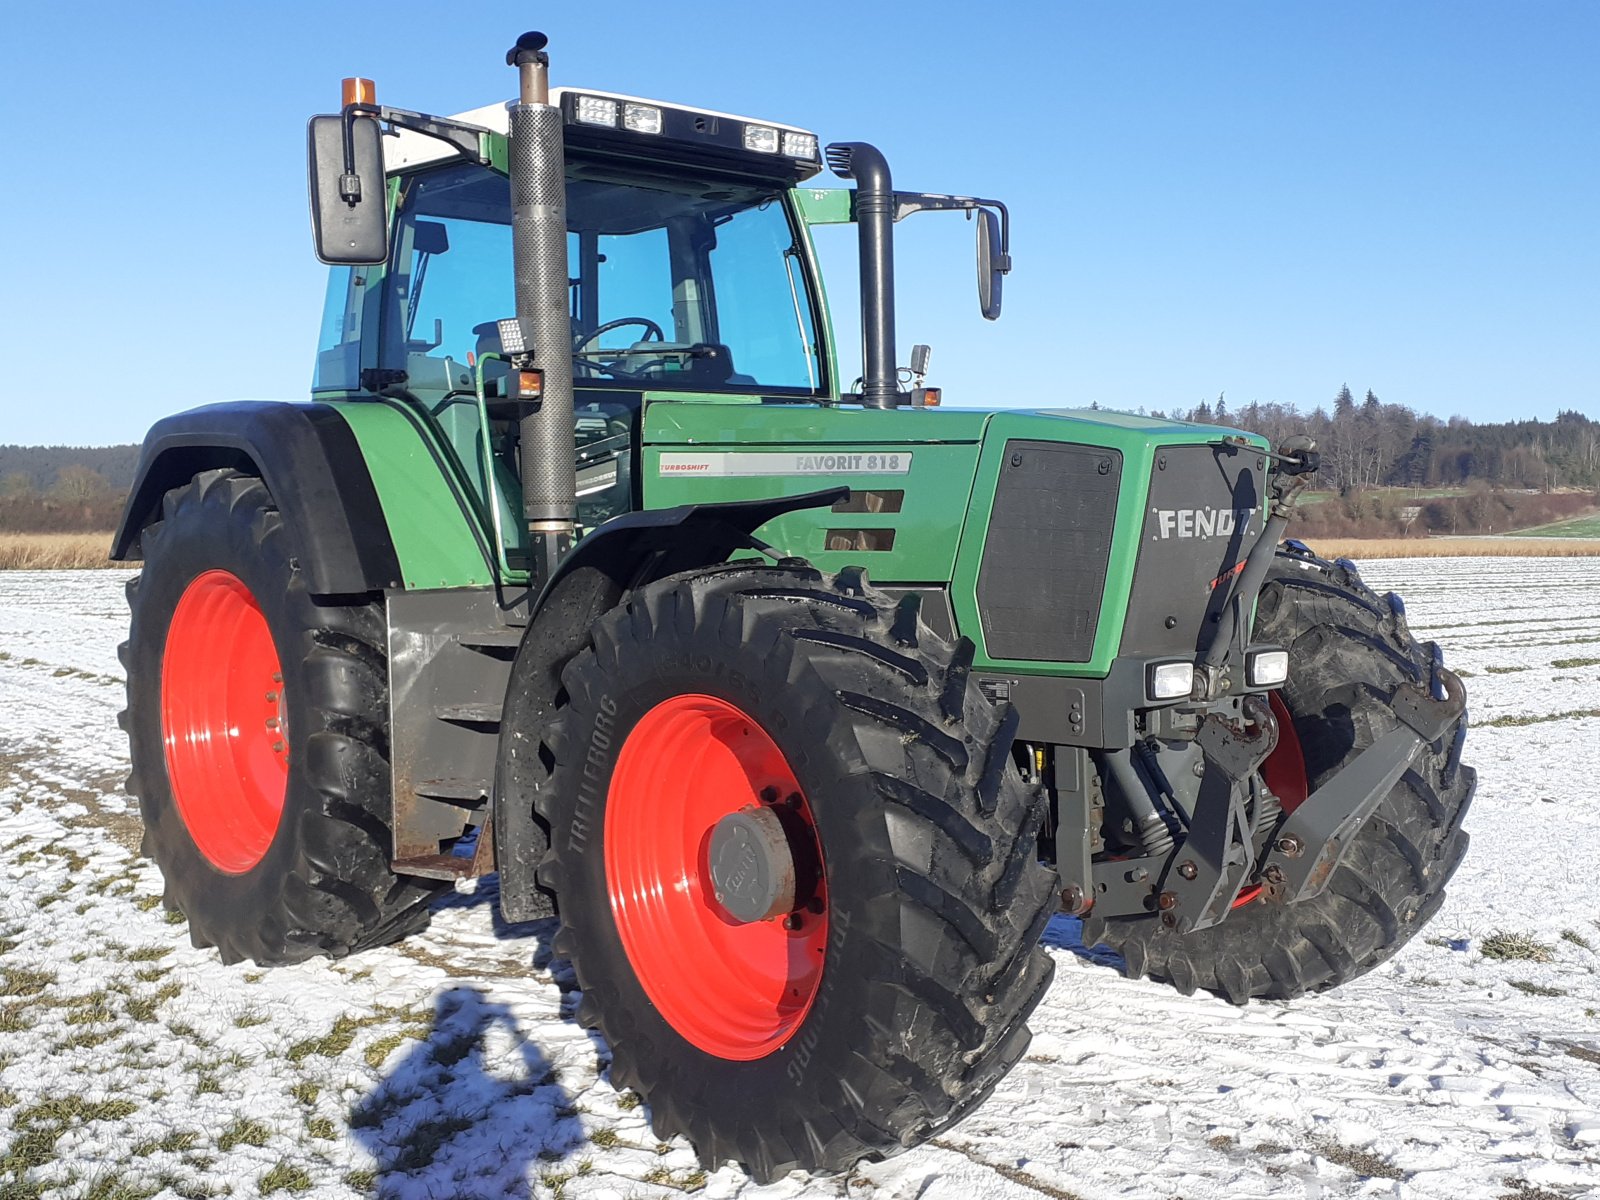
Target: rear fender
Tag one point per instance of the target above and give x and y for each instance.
(310, 461)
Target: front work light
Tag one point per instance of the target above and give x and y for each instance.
(1266, 668)
(1169, 680)
(763, 139)
(596, 110)
(799, 145)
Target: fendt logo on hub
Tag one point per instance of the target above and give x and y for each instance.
(1202, 522)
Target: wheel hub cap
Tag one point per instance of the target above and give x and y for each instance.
(752, 865)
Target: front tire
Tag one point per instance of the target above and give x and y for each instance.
(257, 724)
(1348, 649)
(891, 997)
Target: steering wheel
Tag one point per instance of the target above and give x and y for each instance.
(650, 329)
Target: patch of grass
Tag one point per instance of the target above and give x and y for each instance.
(1584, 1054)
(606, 1139)
(151, 974)
(117, 1187)
(1509, 722)
(19, 981)
(338, 1039)
(330, 1045)
(381, 1049)
(143, 1008)
(249, 1020)
(1504, 670)
(146, 903)
(87, 1039)
(253, 976)
(174, 917)
(94, 1008)
(243, 1131)
(148, 953)
(1536, 989)
(360, 1181)
(206, 1083)
(321, 1127)
(1567, 664)
(629, 1101)
(61, 1110)
(284, 1178)
(1577, 939)
(1515, 946)
(173, 1143)
(305, 1092)
(424, 1142)
(189, 1033)
(12, 1019)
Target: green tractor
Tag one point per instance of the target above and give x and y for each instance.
(562, 573)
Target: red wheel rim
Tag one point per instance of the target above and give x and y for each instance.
(222, 721)
(734, 990)
(1285, 769)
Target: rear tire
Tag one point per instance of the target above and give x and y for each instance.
(1348, 649)
(272, 840)
(934, 897)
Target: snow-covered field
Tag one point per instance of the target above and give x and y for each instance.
(132, 1065)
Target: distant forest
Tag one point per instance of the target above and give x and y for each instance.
(1388, 465)
(1369, 444)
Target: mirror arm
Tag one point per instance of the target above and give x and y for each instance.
(467, 139)
(906, 203)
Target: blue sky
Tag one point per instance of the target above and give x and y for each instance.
(1261, 199)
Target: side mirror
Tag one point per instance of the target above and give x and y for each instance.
(349, 211)
(991, 264)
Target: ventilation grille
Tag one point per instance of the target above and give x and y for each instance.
(1049, 544)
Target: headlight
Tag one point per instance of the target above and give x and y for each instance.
(641, 118)
(1266, 668)
(761, 138)
(1169, 680)
(596, 110)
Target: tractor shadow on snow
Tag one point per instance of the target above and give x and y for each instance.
(469, 1111)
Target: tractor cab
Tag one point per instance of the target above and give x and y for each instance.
(691, 273)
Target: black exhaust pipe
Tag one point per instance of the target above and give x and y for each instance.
(874, 212)
(539, 251)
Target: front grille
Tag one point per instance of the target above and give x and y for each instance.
(1045, 557)
(1203, 515)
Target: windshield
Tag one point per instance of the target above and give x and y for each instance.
(673, 284)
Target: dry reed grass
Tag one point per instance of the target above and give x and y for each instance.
(1465, 547)
(54, 551)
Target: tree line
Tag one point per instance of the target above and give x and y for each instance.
(1369, 444)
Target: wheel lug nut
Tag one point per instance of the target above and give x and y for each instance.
(272, 697)
(1167, 900)
(792, 922)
